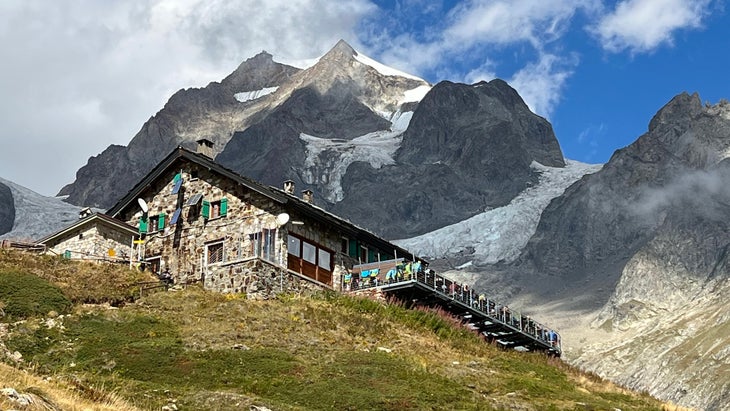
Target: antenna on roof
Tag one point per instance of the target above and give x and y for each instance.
(142, 205)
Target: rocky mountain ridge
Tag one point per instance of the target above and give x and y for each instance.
(629, 262)
(351, 130)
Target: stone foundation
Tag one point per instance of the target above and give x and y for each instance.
(258, 279)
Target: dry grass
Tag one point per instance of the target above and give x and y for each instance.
(327, 351)
(54, 394)
(81, 282)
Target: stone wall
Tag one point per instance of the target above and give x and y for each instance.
(258, 279)
(93, 242)
(183, 247)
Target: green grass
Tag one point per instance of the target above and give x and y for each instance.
(324, 352)
(25, 295)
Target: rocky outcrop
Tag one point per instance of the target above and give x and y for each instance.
(7, 209)
(634, 260)
(212, 112)
(467, 148)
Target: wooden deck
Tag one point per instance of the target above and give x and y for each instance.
(494, 321)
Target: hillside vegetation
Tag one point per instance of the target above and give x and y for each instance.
(193, 349)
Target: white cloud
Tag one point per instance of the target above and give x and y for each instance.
(78, 76)
(540, 84)
(484, 72)
(508, 22)
(643, 25)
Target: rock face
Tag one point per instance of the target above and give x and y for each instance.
(212, 112)
(360, 135)
(466, 149)
(640, 251)
(7, 209)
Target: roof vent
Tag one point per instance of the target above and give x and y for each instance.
(307, 196)
(289, 186)
(205, 147)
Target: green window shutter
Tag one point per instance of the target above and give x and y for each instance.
(206, 209)
(161, 221)
(224, 206)
(143, 224)
(353, 248)
(371, 256)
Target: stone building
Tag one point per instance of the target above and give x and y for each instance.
(204, 223)
(94, 236)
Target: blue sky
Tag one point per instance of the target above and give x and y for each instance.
(80, 75)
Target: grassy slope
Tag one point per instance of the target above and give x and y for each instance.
(210, 351)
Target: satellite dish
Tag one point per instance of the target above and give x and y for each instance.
(142, 205)
(282, 219)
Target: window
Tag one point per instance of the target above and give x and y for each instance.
(156, 223)
(215, 209)
(363, 254)
(214, 252)
(255, 244)
(344, 242)
(294, 246)
(263, 244)
(324, 259)
(309, 252)
(269, 245)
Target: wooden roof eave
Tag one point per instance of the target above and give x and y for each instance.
(85, 221)
(347, 228)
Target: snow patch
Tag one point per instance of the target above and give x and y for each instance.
(500, 234)
(416, 94)
(382, 68)
(253, 95)
(327, 159)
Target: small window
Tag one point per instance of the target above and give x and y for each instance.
(344, 243)
(255, 244)
(215, 209)
(214, 252)
(309, 253)
(157, 222)
(294, 246)
(363, 254)
(269, 245)
(324, 260)
(194, 174)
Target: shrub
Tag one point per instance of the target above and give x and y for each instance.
(25, 295)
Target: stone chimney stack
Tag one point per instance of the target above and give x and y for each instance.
(289, 187)
(307, 196)
(205, 147)
(85, 212)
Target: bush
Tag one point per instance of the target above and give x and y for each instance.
(24, 295)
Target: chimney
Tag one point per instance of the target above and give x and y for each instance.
(85, 212)
(289, 187)
(205, 147)
(307, 196)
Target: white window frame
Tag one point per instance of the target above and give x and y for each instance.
(208, 256)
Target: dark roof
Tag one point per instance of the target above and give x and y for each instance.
(288, 201)
(204, 161)
(88, 219)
